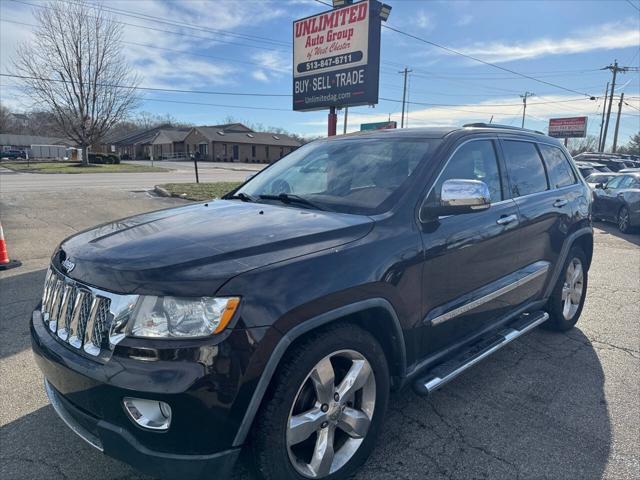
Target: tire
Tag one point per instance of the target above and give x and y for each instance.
(298, 386)
(562, 315)
(623, 220)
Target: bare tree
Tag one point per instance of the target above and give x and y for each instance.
(74, 67)
(6, 122)
(586, 144)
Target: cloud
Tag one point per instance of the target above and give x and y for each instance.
(274, 61)
(177, 68)
(274, 65)
(505, 110)
(260, 76)
(464, 20)
(424, 20)
(604, 37)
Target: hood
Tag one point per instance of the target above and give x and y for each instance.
(193, 250)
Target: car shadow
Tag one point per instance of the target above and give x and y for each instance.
(612, 229)
(19, 294)
(536, 409)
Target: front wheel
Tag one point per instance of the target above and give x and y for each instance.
(569, 293)
(325, 407)
(623, 220)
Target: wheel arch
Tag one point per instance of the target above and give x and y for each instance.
(582, 237)
(376, 315)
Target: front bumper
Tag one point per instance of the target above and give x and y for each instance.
(203, 383)
(120, 444)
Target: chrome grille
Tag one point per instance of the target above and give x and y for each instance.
(76, 314)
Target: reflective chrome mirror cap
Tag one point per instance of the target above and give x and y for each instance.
(466, 195)
(148, 414)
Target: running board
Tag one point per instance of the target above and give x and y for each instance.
(447, 371)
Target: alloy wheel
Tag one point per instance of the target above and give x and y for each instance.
(623, 220)
(572, 289)
(331, 414)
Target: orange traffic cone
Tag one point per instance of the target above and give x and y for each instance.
(5, 263)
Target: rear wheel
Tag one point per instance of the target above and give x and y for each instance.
(623, 220)
(569, 293)
(325, 408)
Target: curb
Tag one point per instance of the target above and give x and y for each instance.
(161, 191)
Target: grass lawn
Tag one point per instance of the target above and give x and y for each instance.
(200, 191)
(75, 167)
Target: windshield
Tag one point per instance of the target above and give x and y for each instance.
(357, 175)
(599, 178)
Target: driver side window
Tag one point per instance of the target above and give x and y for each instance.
(475, 160)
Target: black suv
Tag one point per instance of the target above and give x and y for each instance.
(278, 318)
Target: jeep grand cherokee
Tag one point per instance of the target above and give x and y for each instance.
(278, 318)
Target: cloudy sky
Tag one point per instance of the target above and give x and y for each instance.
(245, 46)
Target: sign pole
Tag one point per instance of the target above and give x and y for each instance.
(332, 122)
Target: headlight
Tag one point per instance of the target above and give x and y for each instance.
(181, 317)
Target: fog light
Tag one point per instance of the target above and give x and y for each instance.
(149, 414)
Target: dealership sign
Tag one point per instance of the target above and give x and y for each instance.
(336, 57)
(573, 127)
(378, 125)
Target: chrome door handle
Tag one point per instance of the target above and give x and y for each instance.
(559, 203)
(506, 220)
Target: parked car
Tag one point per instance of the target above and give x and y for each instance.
(13, 154)
(279, 318)
(619, 201)
(599, 178)
(588, 168)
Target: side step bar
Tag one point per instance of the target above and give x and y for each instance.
(447, 371)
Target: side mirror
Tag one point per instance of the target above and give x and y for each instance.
(458, 196)
(600, 186)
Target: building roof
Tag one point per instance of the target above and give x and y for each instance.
(217, 134)
(28, 140)
(170, 136)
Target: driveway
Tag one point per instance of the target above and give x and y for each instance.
(548, 406)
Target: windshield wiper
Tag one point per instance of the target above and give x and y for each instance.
(292, 198)
(245, 197)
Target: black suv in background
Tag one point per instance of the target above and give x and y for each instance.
(279, 318)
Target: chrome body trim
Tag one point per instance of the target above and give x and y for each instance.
(68, 419)
(465, 193)
(507, 337)
(487, 298)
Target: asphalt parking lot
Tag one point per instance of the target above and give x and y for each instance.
(548, 406)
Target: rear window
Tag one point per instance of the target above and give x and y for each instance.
(526, 171)
(558, 168)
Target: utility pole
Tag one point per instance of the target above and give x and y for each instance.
(524, 103)
(615, 69)
(604, 107)
(615, 134)
(346, 114)
(406, 71)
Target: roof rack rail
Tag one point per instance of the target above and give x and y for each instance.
(497, 125)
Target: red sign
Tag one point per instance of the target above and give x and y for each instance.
(573, 127)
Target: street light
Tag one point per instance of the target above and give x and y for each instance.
(341, 3)
(385, 10)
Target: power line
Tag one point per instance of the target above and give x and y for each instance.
(218, 105)
(182, 52)
(451, 50)
(154, 89)
(145, 16)
(633, 5)
(184, 34)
